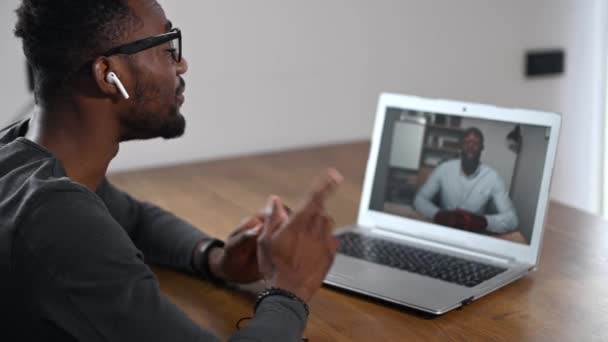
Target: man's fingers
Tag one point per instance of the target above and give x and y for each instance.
(246, 224)
(322, 188)
(325, 185)
(255, 231)
(314, 203)
(317, 226)
(261, 215)
(329, 224)
(288, 210)
(275, 215)
(245, 237)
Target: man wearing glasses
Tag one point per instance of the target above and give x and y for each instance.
(72, 246)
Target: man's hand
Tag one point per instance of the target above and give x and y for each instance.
(461, 219)
(471, 221)
(237, 261)
(445, 218)
(296, 252)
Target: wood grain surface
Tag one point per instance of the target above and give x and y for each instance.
(565, 300)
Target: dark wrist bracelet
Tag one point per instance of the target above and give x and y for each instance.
(204, 268)
(275, 291)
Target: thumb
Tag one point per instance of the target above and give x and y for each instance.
(245, 236)
(246, 224)
(255, 231)
(275, 215)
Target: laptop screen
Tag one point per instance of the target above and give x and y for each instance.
(479, 175)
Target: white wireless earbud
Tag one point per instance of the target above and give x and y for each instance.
(112, 78)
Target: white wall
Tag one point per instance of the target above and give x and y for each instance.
(14, 95)
(274, 74)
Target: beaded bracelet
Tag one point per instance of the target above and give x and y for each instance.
(275, 291)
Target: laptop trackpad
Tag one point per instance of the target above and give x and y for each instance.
(397, 286)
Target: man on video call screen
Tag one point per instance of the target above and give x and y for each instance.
(466, 194)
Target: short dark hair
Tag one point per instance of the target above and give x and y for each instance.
(60, 36)
(475, 131)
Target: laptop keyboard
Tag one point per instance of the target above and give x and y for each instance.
(441, 266)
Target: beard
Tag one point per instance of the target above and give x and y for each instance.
(149, 125)
(144, 123)
(469, 165)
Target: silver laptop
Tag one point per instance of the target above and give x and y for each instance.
(453, 205)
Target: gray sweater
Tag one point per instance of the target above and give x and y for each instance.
(72, 261)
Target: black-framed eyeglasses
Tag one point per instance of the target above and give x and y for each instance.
(173, 36)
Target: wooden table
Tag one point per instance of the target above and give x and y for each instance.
(566, 300)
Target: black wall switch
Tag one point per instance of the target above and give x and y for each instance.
(544, 62)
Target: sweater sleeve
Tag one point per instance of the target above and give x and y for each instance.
(90, 280)
(163, 238)
(277, 319)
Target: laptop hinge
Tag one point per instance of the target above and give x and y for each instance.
(445, 246)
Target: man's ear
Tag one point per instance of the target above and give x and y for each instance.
(100, 68)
